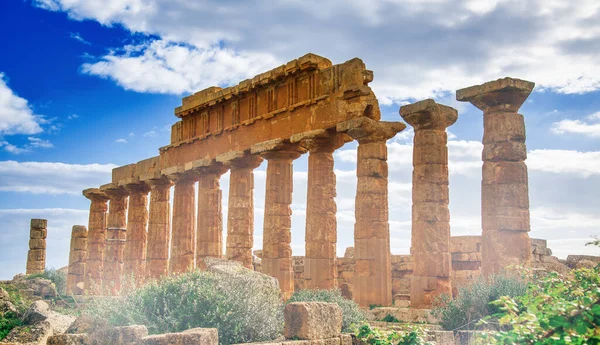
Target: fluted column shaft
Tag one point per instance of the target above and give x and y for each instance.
(504, 186)
(277, 236)
(240, 214)
(159, 229)
(184, 226)
(134, 263)
(77, 260)
(96, 240)
(209, 241)
(430, 239)
(116, 235)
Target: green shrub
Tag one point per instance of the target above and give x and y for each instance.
(241, 306)
(390, 318)
(412, 335)
(8, 321)
(473, 301)
(57, 277)
(351, 312)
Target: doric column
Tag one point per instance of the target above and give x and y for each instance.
(134, 262)
(372, 275)
(159, 227)
(504, 188)
(430, 240)
(277, 236)
(240, 213)
(320, 268)
(183, 234)
(36, 257)
(96, 240)
(209, 233)
(116, 235)
(77, 260)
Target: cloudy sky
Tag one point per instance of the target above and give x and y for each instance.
(88, 85)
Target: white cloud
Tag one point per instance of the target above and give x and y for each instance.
(37, 142)
(589, 126)
(52, 177)
(579, 164)
(151, 133)
(72, 117)
(121, 140)
(76, 36)
(16, 116)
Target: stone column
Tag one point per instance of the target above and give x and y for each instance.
(372, 275)
(36, 257)
(134, 262)
(183, 234)
(209, 233)
(320, 267)
(159, 228)
(277, 236)
(430, 240)
(504, 187)
(116, 234)
(96, 240)
(77, 260)
(240, 214)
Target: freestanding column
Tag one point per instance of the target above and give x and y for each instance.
(240, 213)
(183, 234)
(430, 247)
(320, 267)
(372, 275)
(77, 260)
(209, 234)
(36, 257)
(96, 240)
(277, 236)
(116, 232)
(504, 187)
(134, 262)
(159, 228)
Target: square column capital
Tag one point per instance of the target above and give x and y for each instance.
(507, 94)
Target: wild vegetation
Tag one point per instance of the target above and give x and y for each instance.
(412, 335)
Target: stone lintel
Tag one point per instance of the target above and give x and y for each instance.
(179, 173)
(365, 129)
(502, 94)
(316, 134)
(206, 166)
(113, 190)
(154, 178)
(230, 156)
(136, 186)
(428, 114)
(240, 159)
(265, 146)
(95, 194)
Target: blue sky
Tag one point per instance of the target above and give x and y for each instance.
(88, 85)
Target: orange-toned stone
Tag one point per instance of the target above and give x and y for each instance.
(372, 283)
(36, 257)
(277, 250)
(159, 228)
(240, 216)
(505, 195)
(134, 262)
(77, 260)
(116, 235)
(430, 222)
(96, 240)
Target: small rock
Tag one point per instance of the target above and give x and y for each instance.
(7, 307)
(585, 264)
(38, 311)
(86, 324)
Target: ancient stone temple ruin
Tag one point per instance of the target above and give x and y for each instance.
(307, 106)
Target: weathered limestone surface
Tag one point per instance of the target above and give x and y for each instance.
(184, 221)
(77, 260)
(194, 336)
(312, 320)
(159, 228)
(466, 260)
(209, 233)
(36, 257)
(116, 235)
(504, 189)
(96, 239)
(430, 214)
(372, 277)
(277, 236)
(240, 213)
(320, 270)
(134, 262)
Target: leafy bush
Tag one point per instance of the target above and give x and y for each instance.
(473, 302)
(413, 335)
(555, 310)
(8, 321)
(241, 306)
(351, 312)
(390, 318)
(59, 278)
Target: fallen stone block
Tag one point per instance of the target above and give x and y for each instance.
(69, 339)
(312, 320)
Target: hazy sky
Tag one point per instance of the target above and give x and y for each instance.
(88, 85)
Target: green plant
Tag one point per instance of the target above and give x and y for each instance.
(412, 335)
(8, 321)
(555, 310)
(473, 301)
(373, 306)
(18, 299)
(390, 318)
(57, 277)
(242, 306)
(351, 312)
